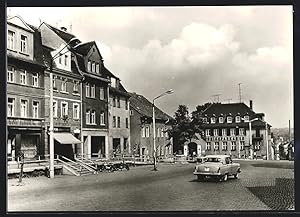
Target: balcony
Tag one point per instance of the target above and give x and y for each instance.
(24, 122)
(257, 137)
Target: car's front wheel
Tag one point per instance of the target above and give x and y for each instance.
(236, 175)
(225, 177)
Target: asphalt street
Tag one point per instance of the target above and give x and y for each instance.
(261, 186)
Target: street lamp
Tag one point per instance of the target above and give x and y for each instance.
(51, 127)
(250, 135)
(154, 131)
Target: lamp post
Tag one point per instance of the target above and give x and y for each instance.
(154, 130)
(250, 135)
(51, 127)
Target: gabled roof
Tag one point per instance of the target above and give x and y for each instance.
(143, 106)
(21, 24)
(62, 34)
(229, 108)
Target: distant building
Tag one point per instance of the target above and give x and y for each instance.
(141, 128)
(226, 128)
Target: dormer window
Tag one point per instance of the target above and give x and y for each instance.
(246, 118)
(93, 66)
(97, 68)
(221, 120)
(213, 120)
(11, 40)
(229, 119)
(66, 60)
(89, 66)
(238, 119)
(23, 44)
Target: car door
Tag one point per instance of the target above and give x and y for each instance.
(228, 165)
(232, 166)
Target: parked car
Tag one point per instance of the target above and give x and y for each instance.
(217, 166)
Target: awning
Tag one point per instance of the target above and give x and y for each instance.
(66, 138)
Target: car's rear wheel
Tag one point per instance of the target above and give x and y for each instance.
(200, 177)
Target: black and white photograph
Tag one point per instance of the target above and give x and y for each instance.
(162, 108)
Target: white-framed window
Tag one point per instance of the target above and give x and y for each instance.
(23, 44)
(23, 77)
(35, 109)
(126, 122)
(208, 146)
(119, 122)
(143, 132)
(75, 87)
(114, 101)
(24, 108)
(89, 66)
(204, 120)
(93, 90)
(166, 134)
(64, 109)
(216, 132)
(11, 40)
(102, 118)
(101, 93)
(88, 117)
(224, 146)
(64, 85)
(162, 133)
(229, 119)
(54, 83)
(158, 132)
(87, 90)
(10, 73)
(60, 59)
(10, 107)
(237, 119)
(224, 132)
(207, 132)
(213, 120)
(66, 60)
(76, 111)
(221, 120)
(216, 146)
(233, 145)
(147, 129)
(242, 145)
(93, 66)
(118, 102)
(97, 68)
(93, 117)
(241, 131)
(114, 122)
(246, 118)
(232, 132)
(55, 107)
(35, 80)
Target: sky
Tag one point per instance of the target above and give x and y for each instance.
(196, 51)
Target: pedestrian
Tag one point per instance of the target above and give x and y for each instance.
(254, 154)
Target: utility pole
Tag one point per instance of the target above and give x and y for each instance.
(240, 92)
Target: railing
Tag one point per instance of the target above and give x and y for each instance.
(87, 165)
(80, 164)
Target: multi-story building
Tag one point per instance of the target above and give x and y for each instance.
(25, 90)
(66, 91)
(119, 118)
(141, 128)
(227, 131)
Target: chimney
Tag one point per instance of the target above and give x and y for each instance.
(63, 28)
(251, 104)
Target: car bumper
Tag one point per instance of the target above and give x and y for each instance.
(207, 174)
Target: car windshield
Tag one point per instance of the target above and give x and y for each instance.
(213, 160)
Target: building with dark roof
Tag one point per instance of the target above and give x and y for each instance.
(141, 128)
(227, 131)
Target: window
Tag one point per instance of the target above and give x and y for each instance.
(158, 132)
(64, 109)
(232, 132)
(93, 117)
(166, 134)
(23, 108)
(119, 122)
(246, 118)
(229, 119)
(242, 145)
(10, 74)
(97, 68)
(208, 146)
(89, 66)
(238, 119)
(241, 132)
(75, 87)
(35, 109)
(10, 107)
(93, 66)
(221, 119)
(114, 121)
(23, 44)
(216, 146)
(93, 91)
(102, 119)
(35, 80)
(87, 90)
(126, 104)
(126, 123)
(224, 132)
(88, 117)
(66, 60)
(59, 58)
(147, 131)
(213, 120)
(23, 78)
(233, 146)
(54, 82)
(114, 101)
(215, 132)
(64, 85)
(224, 146)
(101, 93)
(162, 132)
(207, 133)
(204, 120)
(118, 102)
(54, 108)
(76, 111)
(143, 132)
(11, 40)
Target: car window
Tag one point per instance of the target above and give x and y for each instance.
(227, 160)
(214, 160)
